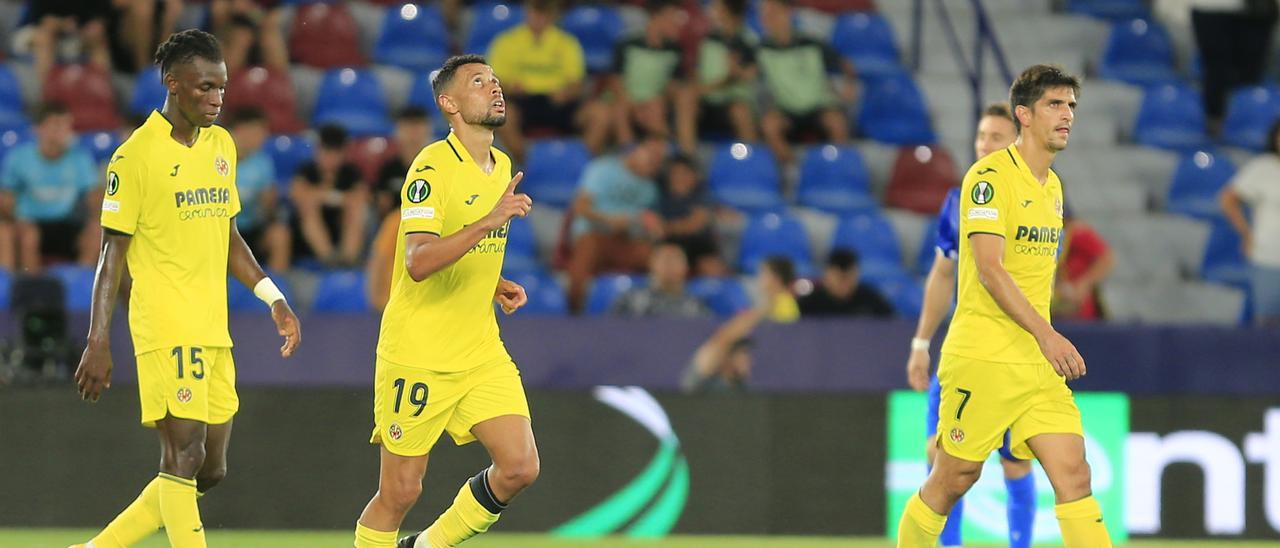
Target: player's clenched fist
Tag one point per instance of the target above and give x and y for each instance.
(511, 205)
(1064, 357)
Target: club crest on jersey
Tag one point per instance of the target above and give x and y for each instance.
(957, 435)
(184, 394)
(222, 166)
(113, 183)
(982, 193)
(395, 431)
(418, 191)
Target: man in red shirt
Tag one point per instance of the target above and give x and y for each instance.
(1086, 261)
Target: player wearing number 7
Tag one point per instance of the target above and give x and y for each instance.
(441, 366)
(1004, 367)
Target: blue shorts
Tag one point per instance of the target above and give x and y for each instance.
(931, 419)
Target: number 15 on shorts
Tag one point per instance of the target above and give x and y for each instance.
(417, 396)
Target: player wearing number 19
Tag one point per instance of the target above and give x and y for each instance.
(441, 366)
(1004, 367)
(169, 213)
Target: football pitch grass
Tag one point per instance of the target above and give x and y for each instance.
(60, 538)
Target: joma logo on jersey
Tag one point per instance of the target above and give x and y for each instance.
(202, 196)
(1043, 234)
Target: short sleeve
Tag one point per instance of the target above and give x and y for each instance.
(1249, 183)
(594, 179)
(122, 201)
(984, 203)
(422, 202)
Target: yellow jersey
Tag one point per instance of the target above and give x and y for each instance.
(538, 66)
(1000, 196)
(446, 322)
(177, 202)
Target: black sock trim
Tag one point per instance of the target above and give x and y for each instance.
(482, 492)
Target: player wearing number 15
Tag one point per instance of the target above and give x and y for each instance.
(441, 366)
(169, 214)
(1004, 367)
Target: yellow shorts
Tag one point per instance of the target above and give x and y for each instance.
(188, 382)
(981, 400)
(412, 406)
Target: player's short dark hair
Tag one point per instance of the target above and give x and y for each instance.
(1032, 83)
(781, 267)
(1272, 136)
(333, 136)
(843, 259)
(1000, 109)
(51, 108)
(544, 6)
(655, 6)
(450, 68)
(737, 8)
(182, 47)
(672, 243)
(682, 159)
(412, 114)
(247, 115)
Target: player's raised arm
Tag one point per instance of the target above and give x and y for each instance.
(244, 266)
(93, 375)
(426, 252)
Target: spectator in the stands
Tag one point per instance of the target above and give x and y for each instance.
(723, 363)
(251, 33)
(608, 231)
(48, 187)
(1086, 262)
(842, 292)
(720, 102)
(798, 73)
(664, 296)
(1257, 186)
(684, 216)
(775, 284)
(331, 204)
(544, 81)
(259, 221)
(412, 134)
(648, 73)
(78, 27)
(136, 27)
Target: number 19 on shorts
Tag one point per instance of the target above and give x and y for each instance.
(417, 396)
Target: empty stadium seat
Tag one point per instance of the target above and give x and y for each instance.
(1155, 248)
(1251, 111)
(491, 18)
(522, 247)
(77, 280)
(1196, 182)
(901, 290)
(369, 153)
(1224, 260)
(872, 237)
(1171, 117)
(271, 91)
(774, 234)
(1140, 52)
(1173, 303)
(325, 35)
(288, 152)
(413, 37)
(353, 99)
(598, 28)
(100, 144)
(86, 91)
(606, 290)
(12, 113)
(546, 297)
(553, 169)
(921, 178)
(893, 111)
(149, 92)
(866, 38)
(834, 179)
(6, 289)
(745, 177)
(341, 291)
(1108, 9)
(724, 296)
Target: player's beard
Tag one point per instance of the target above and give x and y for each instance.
(489, 120)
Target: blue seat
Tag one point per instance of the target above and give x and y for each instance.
(597, 28)
(893, 111)
(353, 99)
(866, 38)
(745, 177)
(834, 179)
(12, 112)
(100, 144)
(12, 137)
(77, 281)
(414, 37)
(288, 152)
(872, 237)
(1171, 117)
(1139, 52)
(149, 92)
(606, 290)
(1108, 9)
(491, 18)
(1196, 183)
(242, 299)
(6, 289)
(901, 290)
(1251, 111)
(928, 247)
(546, 297)
(553, 169)
(522, 249)
(1224, 260)
(774, 234)
(341, 291)
(724, 296)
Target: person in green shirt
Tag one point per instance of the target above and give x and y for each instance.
(719, 101)
(648, 74)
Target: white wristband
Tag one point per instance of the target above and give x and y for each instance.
(267, 292)
(919, 344)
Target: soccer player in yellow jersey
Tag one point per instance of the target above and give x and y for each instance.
(441, 366)
(1004, 367)
(169, 214)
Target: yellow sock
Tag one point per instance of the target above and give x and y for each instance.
(180, 513)
(140, 520)
(473, 511)
(1081, 524)
(920, 525)
(370, 538)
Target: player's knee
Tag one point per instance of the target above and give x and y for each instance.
(1077, 478)
(401, 494)
(960, 481)
(520, 474)
(208, 478)
(187, 460)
